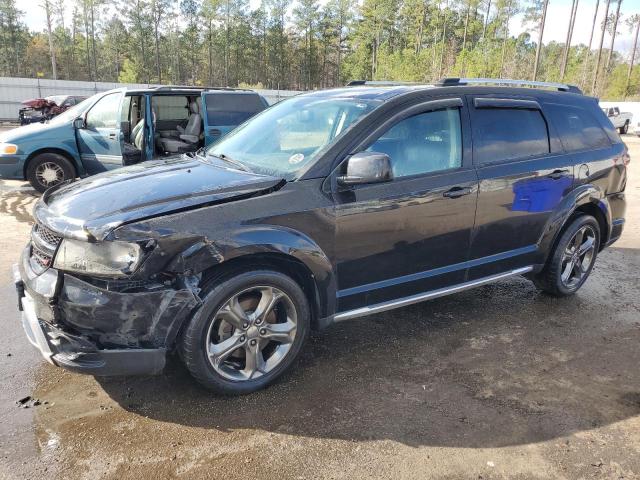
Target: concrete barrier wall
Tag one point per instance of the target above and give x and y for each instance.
(15, 90)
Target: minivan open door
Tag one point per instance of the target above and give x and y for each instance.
(99, 135)
(222, 111)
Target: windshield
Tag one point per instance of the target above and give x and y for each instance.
(74, 112)
(287, 137)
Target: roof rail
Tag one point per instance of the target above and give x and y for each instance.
(453, 81)
(377, 83)
(191, 87)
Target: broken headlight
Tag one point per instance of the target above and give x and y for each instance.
(113, 259)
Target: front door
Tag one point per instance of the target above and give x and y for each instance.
(412, 234)
(100, 140)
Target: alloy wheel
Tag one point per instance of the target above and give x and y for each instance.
(49, 174)
(578, 257)
(251, 333)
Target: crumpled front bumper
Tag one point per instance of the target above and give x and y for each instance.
(65, 318)
(73, 354)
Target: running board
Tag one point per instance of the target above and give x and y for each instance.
(420, 297)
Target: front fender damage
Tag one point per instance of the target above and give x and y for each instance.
(149, 317)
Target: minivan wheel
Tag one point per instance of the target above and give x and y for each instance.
(49, 169)
(247, 333)
(572, 259)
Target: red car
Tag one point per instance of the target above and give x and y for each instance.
(41, 109)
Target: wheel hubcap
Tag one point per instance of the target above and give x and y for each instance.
(49, 174)
(578, 256)
(251, 333)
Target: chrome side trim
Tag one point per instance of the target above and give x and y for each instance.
(420, 297)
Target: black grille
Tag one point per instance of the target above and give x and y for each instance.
(41, 258)
(44, 243)
(47, 235)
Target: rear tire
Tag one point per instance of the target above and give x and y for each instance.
(625, 128)
(47, 170)
(572, 258)
(230, 347)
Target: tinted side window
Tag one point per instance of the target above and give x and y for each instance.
(578, 129)
(508, 133)
(423, 143)
(605, 123)
(232, 108)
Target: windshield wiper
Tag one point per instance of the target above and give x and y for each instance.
(230, 160)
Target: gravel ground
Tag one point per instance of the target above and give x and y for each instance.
(497, 382)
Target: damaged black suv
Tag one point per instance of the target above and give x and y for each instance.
(325, 207)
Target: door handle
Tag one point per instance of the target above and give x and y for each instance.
(456, 192)
(113, 136)
(556, 174)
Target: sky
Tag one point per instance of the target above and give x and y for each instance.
(555, 30)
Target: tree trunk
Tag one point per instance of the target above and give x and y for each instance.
(567, 45)
(604, 29)
(444, 37)
(157, 39)
(633, 55)
(339, 62)
(86, 39)
(464, 38)
(588, 52)
(72, 51)
(210, 52)
(434, 50)
(543, 19)
(505, 39)
(613, 37)
(52, 50)
(226, 44)
(93, 40)
(486, 20)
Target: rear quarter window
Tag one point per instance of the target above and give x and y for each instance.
(232, 108)
(578, 128)
(501, 134)
(606, 124)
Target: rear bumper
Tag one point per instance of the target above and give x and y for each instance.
(617, 208)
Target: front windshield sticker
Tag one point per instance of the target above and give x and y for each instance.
(296, 158)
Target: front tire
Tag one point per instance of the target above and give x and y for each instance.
(47, 170)
(572, 258)
(247, 333)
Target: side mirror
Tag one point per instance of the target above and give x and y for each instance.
(367, 167)
(78, 123)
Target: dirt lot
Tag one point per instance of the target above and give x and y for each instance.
(498, 382)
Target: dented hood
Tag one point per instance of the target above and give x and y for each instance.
(91, 208)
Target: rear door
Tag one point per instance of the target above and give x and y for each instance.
(100, 140)
(523, 175)
(223, 111)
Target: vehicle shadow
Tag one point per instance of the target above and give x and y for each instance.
(496, 366)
